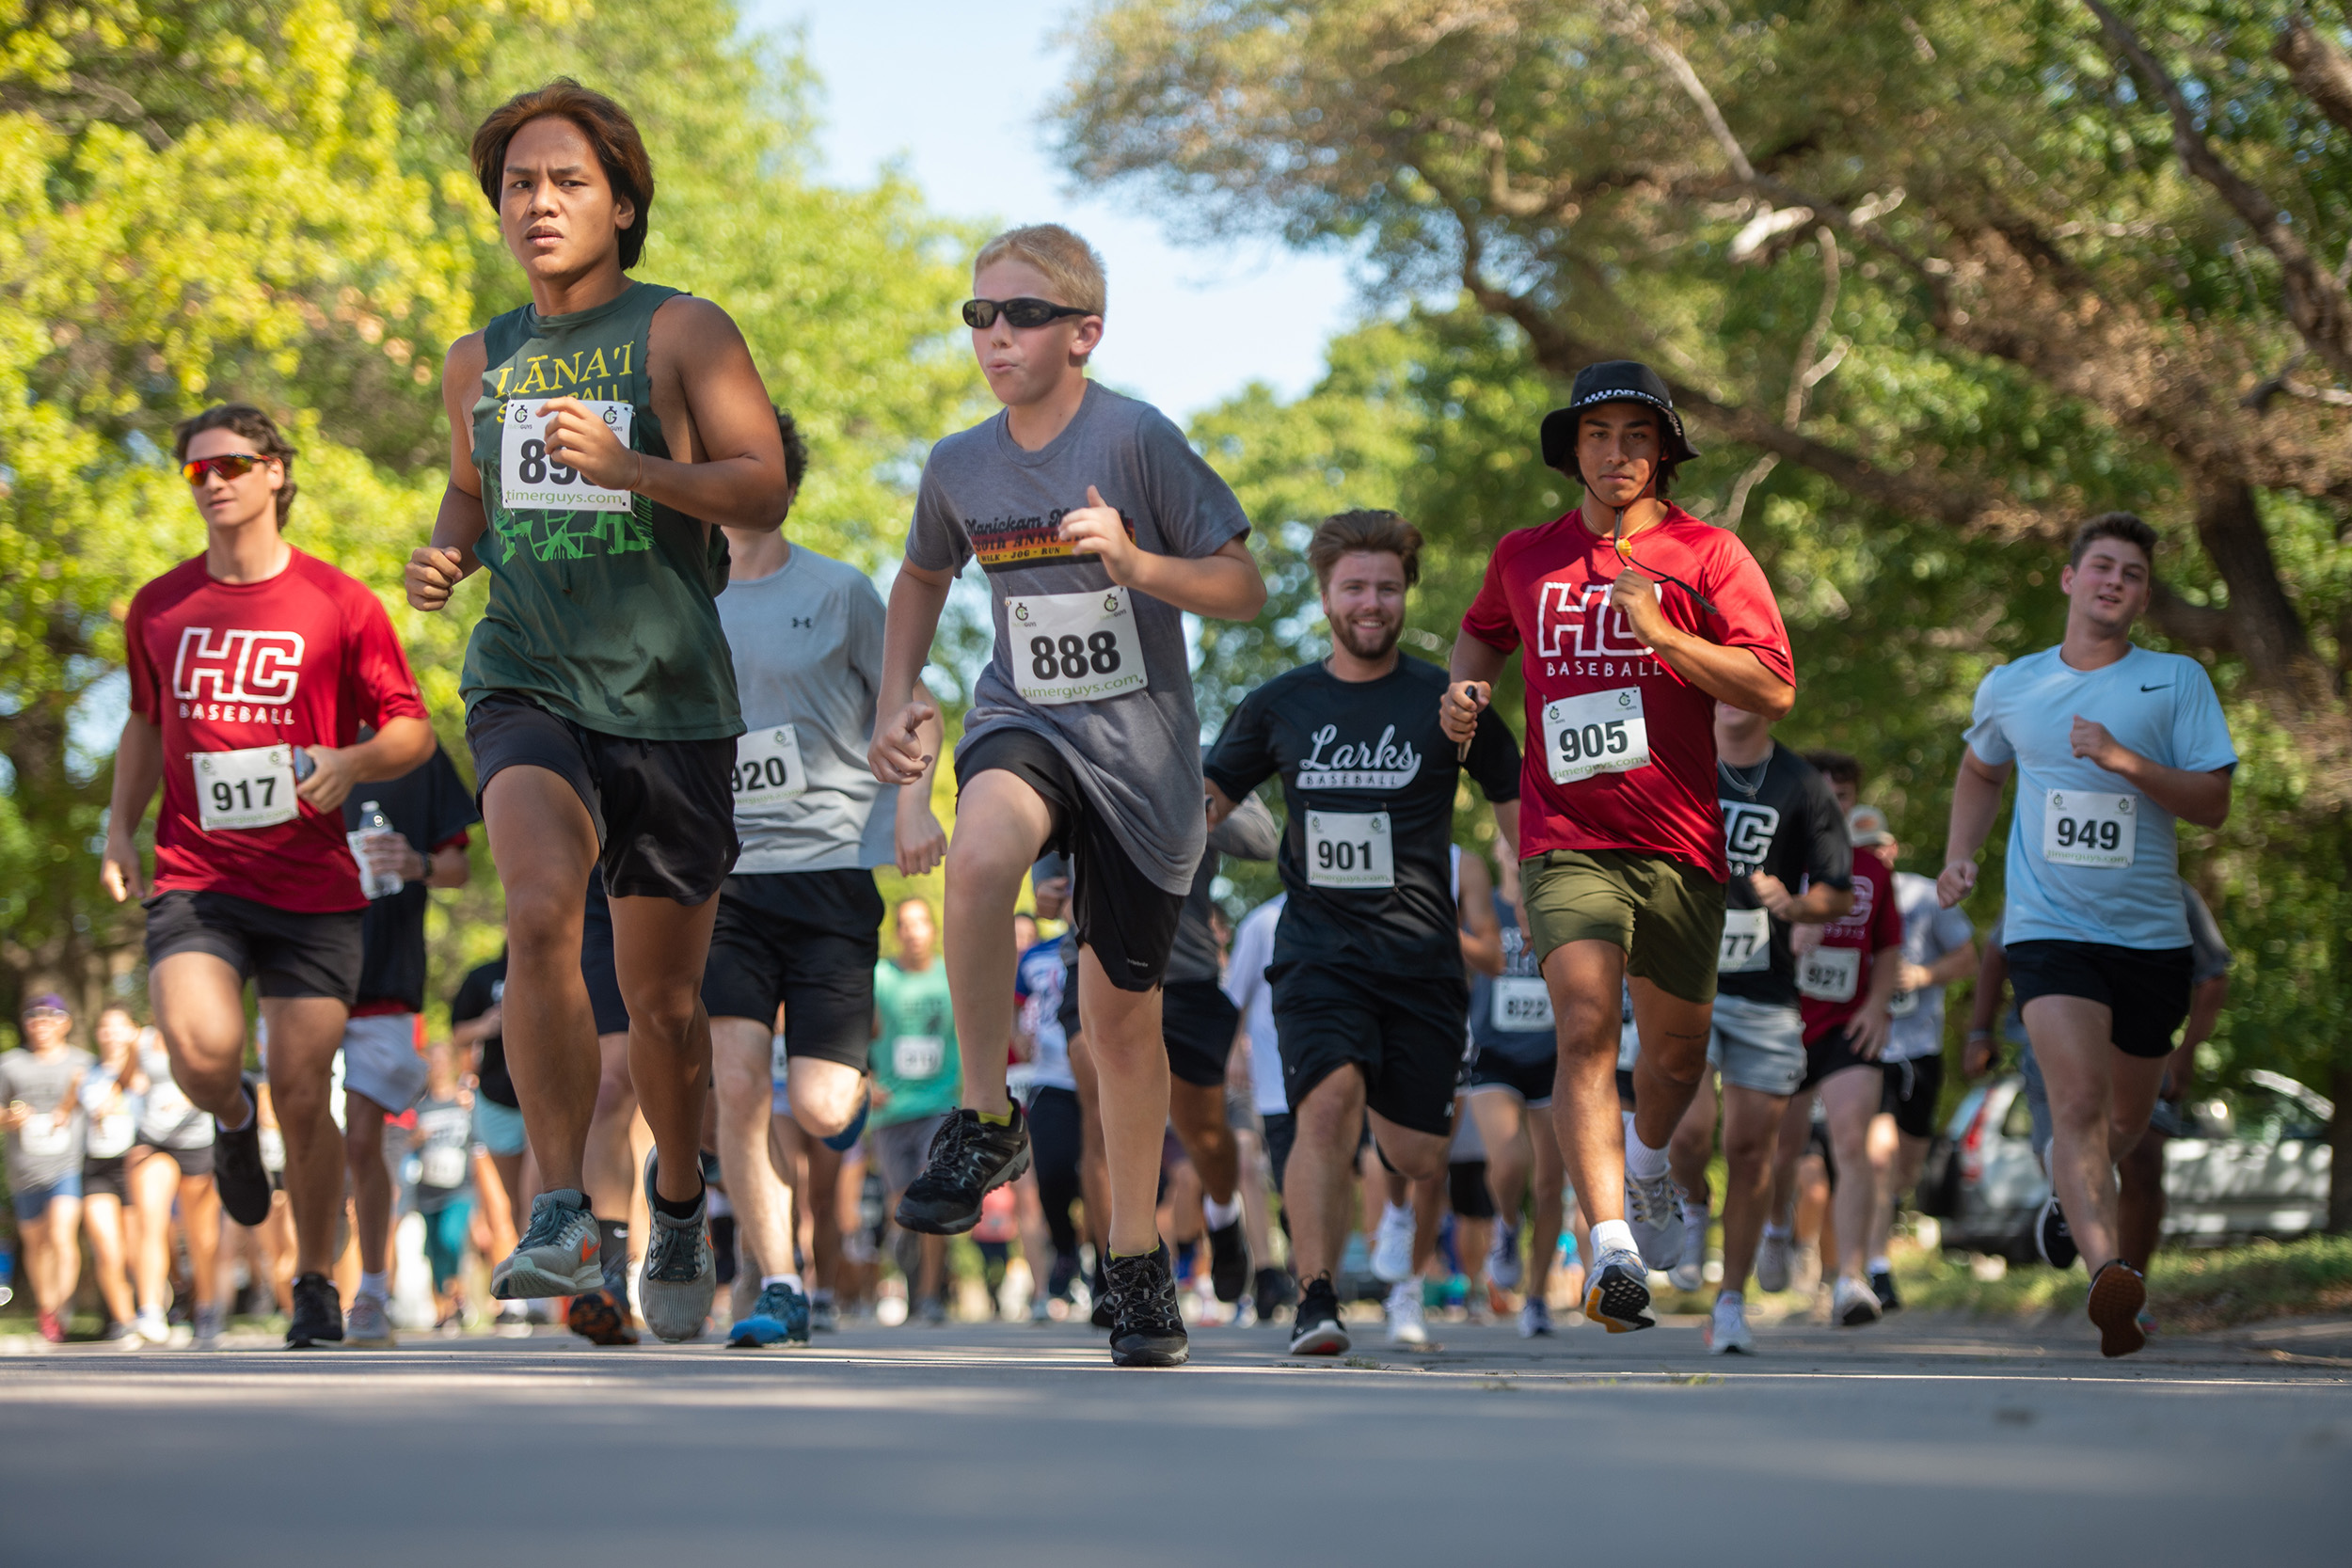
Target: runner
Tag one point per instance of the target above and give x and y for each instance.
(799, 920)
(608, 1155)
(253, 668)
(41, 1109)
(408, 834)
(1055, 1135)
(1939, 947)
(1369, 1000)
(1623, 857)
(475, 1016)
(598, 438)
(1252, 995)
(171, 1170)
(110, 1101)
(2112, 743)
(915, 1068)
(442, 1139)
(1098, 525)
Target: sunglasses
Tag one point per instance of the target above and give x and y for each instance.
(1020, 312)
(41, 1015)
(235, 464)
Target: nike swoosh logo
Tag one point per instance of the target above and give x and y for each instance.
(2166, 687)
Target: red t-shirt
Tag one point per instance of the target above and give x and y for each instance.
(1835, 977)
(1546, 590)
(230, 671)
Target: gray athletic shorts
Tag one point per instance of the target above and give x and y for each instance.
(1757, 1045)
(901, 1149)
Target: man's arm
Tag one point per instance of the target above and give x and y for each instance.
(899, 754)
(399, 745)
(1224, 585)
(1471, 673)
(1869, 1029)
(1984, 1009)
(2201, 797)
(921, 842)
(2204, 1010)
(1247, 830)
(1958, 964)
(138, 772)
(1976, 801)
(1481, 933)
(1734, 675)
(434, 571)
(1817, 905)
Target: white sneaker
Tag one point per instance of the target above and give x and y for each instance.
(1392, 1245)
(1689, 1271)
(1405, 1323)
(1853, 1303)
(1535, 1319)
(1503, 1259)
(1727, 1331)
(1771, 1262)
(368, 1326)
(1804, 1269)
(149, 1325)
(1653, 1207)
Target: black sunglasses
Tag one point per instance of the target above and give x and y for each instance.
(235, 464)
(1020, 312)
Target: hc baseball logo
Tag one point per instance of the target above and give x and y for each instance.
(243, 666)
(1574, 620)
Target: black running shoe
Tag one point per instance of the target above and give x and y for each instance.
(237, 1168)
(1315, 1328)
(1229, 1261)
(1882, 1287)
(1274, 1290)
(1148, 1330)
(2052, 1239)
(318, 1313)
(1104, 1312)
(968, 1157)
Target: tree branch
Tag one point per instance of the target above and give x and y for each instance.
(2318, 69)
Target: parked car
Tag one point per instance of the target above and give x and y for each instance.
(2253, 1161)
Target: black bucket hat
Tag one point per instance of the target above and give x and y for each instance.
(1612, 381)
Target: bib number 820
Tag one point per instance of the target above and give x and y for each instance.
(1069, 658)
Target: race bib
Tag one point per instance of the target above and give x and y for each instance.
(917, 1055)
(1902, 1004)
(531, 481)
(1073, 647)
(1601, 732)
(444, 1166)
(2079, 828)
(1522, 1003)
(767, 770)
(252, 788)
(1830, 973)
(1747, 943)
(112, 1134)
(40, 1134)
(1350, 849)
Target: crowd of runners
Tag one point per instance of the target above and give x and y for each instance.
(1500, 1047)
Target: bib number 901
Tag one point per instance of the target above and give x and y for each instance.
(1350, 849)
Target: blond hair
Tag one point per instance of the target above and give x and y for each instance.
(1070, 264)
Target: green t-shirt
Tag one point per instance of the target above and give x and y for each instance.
(603, 612)
(915, 1057)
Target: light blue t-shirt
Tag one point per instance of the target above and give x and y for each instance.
(2067, 879)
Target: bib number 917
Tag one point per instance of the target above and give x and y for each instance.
(242, 790)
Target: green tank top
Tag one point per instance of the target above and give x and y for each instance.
(602, 606)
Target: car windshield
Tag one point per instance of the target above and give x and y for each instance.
(2251, 1114)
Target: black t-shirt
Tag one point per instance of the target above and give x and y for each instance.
(483, 990)
(1369, 780)
(430, 806)
(1792, 830)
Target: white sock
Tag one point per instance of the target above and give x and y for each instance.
(1778, 1232)
(1880, 1265)
(791, 1279)
(373, 1285)
(1219, 1216)
(821, 1298)
(1642, 1162)
(1730, 1298)
(1613, 1236)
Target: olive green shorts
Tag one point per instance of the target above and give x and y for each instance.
(1668, 916)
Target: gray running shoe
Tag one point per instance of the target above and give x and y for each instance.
(824, 1316)
(557, 1255)
(1616, 1293)
(367, 1325)
(1690, 1270)
(681, 1273)
(1653, 1207)
(1503, 1259)
(1771, 1262)
(207, 1327)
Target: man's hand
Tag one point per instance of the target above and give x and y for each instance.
(1867, 1033)
(391, 854)
(1976, 1056)
(577, 438)
(1097, 529)
(1458, 709)
(118, 873)
(431, 575)
(333, 777)
(2093, 743)
(1910, 977)
(897, 756)
(1956, 882)
(1804, 939)
(1634, 595)
(1773, 894)
(922, 843)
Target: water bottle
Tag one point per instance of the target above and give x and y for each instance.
(372, 824)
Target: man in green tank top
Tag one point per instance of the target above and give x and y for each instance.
(599, 437)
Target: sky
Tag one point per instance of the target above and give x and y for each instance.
(958, 90)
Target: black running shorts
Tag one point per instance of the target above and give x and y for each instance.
(1531, 1081)
(2147, 990)
(1408, 1034)
(805, 942)
(1126, 918)
(663, 809)
(284, 953)
(1198, 1022)
(1909, 1095)
(1833, 1053)
(1467, 1193)
(596, 960)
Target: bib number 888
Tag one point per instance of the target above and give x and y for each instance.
(1069, 658)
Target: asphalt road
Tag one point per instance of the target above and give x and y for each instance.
(1915, 1442)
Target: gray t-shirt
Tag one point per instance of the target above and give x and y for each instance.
(1929, 931)
(167, 1119)
(1134, 749)
(1251, 834)
(807, 646)
(41, 1153)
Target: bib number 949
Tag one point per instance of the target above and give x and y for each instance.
(2086, 828)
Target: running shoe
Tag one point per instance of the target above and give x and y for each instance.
(1392, 1245)
(1229, 1261)
(1271, 1289)
(1407, 1326)
(2052, 1239)
(1653, 1206)
(968, 1156)
(1536, 1319)
(207, 1325)
(557, 1255)
(1616, 1293)
(149, 1325)
(1315, 1328)
(2116, 1294)
(53, 1326)
(1882, 1287)
(681, 1273)
(1728, 1330)
(368, 1326)
(115, 1333)
(2147, 1321)
(1690, 1270)
(1104, 1312)
(600, 1317)
(846, 1140)
(1771, 1262)
(237, 1168)
(1503, 1259)
(318, 1313)
(1852, 1305)
(779, 1317)
(1149, 1330)
(931, 1311)
(513, 1321)
(824, 1316)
